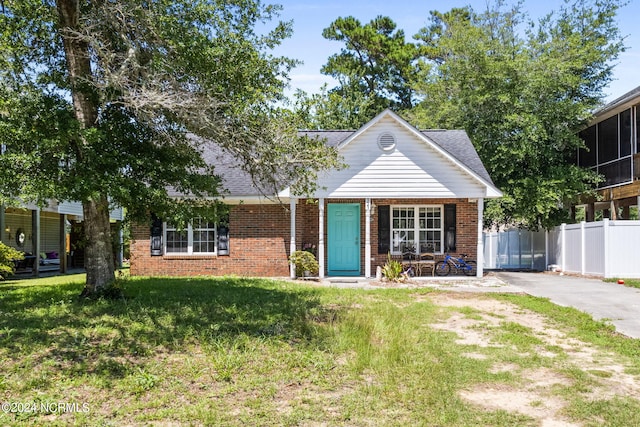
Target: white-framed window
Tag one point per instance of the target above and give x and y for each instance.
(196, 238)
(416, 229)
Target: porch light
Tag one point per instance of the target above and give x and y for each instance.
(370, 207)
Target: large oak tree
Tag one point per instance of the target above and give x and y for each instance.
(111, 102)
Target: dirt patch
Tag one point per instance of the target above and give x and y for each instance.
(534, 396)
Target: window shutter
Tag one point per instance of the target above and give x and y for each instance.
(384, 229)
(223, 234)
(156, 236)
(450, 228)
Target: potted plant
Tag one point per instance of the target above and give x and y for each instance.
(305, 263)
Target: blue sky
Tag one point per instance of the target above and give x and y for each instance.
(310, 17)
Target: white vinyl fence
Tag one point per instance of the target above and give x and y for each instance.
(604, 248)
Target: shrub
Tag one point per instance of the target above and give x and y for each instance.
(392, 270)
(304, 261)
(7, 256)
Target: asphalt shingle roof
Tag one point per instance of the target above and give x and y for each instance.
(458, 144)
(237, 182)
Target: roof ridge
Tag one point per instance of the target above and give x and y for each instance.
(326, 130)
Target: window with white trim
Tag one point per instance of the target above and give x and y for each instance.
(197, 238)
(416, 229)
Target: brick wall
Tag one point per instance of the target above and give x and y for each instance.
(259, 240)
(258, 246)
(466, 227)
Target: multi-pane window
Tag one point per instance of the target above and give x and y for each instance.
(416, 229)
(430, 226)
(177, 239)
(198, 237)
(204, 236)
(403, 230)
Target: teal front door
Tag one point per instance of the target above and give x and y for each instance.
(343, 239)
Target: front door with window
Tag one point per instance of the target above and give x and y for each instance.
(343, 239)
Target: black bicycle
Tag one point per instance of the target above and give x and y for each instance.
(468, 267)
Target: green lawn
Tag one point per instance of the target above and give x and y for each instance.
(233, 351)
(633, 283)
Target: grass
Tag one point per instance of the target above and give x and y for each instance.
(234, 351)
(632, 283)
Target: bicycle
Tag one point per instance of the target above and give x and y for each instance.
(468, 267)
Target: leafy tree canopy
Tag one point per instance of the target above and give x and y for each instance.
(522, 90)
(114, 102)
(374, 70)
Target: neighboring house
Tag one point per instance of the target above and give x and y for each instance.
(50, 237)
(402, 189)
(613, 149)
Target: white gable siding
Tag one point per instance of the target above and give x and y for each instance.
(414, 169)
(70, 208)
(49, 233)
(75, 208)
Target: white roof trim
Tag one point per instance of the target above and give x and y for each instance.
(253, 200)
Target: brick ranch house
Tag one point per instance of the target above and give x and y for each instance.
(402, 188)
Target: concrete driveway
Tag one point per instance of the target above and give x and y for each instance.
(615, 303)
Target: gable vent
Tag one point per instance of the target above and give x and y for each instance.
(386, 141)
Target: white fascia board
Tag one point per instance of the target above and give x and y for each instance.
(249, 199)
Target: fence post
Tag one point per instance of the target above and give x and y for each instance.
(563, 246)
(488, 246)
(583, 249)
(546, 248)
(605, 238)
(533, 255)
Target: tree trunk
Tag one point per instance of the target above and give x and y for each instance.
(99, 256)
(98, 252)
